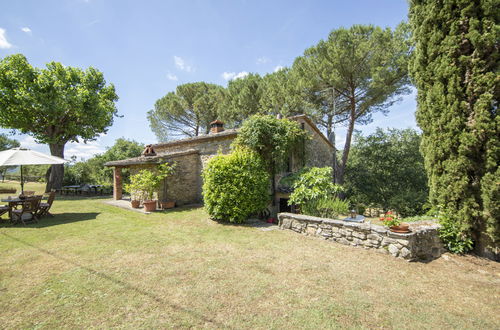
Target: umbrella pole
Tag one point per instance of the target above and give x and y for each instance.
(22, 181)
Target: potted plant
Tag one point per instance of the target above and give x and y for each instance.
(394, 223)
(147, 182)
(135, 189)
(167, 205)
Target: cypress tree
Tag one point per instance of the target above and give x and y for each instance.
(455, 70)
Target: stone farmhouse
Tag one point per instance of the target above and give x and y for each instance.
(192, 154)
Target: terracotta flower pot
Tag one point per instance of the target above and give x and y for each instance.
(135, 203)
(167, 205)
(402, 228)
(149, 206)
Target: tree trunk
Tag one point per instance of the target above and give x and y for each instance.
(56, 171)
(331, 138)
(347, 146)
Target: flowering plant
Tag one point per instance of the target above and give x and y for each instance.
(390, 219)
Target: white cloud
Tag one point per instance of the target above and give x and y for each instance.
(278, 67)
(26, 30)
(181, 64)
(3, 40)
(172, 77)
(29, 142)
(242, 74)
(83, 150)
(234, 75)
(228, 75)
(263, 60)
(80, 150)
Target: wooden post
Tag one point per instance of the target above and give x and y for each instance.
(117, 183)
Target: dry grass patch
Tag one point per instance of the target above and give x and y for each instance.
(116, 268)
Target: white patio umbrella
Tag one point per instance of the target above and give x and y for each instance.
(22, 156)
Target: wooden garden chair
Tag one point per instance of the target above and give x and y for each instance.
(43, 208)
(4, 209)
(30, 206)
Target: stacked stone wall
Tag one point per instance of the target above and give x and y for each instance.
(422, 243)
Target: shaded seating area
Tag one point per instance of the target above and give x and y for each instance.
(27, 209)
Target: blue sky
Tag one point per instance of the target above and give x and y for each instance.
(146, 48)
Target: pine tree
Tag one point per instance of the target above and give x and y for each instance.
(455, 69)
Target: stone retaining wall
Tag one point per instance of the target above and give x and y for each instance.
(422, 243)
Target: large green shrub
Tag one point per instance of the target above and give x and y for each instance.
(235, 186)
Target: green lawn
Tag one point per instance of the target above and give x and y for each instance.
(94, 265)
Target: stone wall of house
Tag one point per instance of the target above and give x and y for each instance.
(207, 148)
(317, 151)
(184, 185)
(422, 243)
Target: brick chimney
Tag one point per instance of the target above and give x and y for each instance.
(216, 126)
(149, 151)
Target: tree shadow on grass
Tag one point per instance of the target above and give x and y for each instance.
(124, 284)
(57, 219)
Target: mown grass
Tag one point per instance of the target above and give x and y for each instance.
(94, 265)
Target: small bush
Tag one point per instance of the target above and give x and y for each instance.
(453, 236)
(146, 183)
(235, 186)
(326, 207)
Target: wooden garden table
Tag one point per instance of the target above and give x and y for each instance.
(14, 203)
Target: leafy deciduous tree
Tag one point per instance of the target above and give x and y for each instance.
(55, 105)
(5, 144)
(386, 170)
(93, 170)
